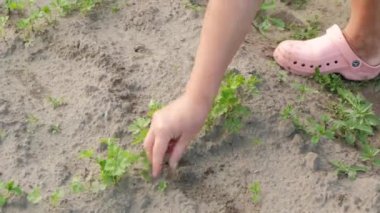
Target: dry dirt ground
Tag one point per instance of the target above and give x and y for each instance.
(108, 66)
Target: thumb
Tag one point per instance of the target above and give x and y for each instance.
(179, 149)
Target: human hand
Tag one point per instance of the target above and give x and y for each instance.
(172, 129)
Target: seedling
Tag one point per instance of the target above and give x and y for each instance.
(86, 154)
(320, 130)
(77, 186)
(55, 129)
(358, 119)
(7, 191)
(139, 129)
(255, 189)
(86, 6)
(162, 186)
(64, 7)
(16, 5)
(56, 197)
(228, 104)
(190, 4)
(140, 126)
(317, 130)
(303, 90)
(331, 82)
(310, 31)
(32, 121)
(115, 164)
(289, 113)
(29, 24)
(3, 23)
(354, 116)
(35, 196)
(153, 107)
(264, 22)
(56, 102)
(370, 154)
(350, 171)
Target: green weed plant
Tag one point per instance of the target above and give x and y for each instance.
(265, 22)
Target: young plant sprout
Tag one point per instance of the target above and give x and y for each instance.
(350, 171)
(35, 196)
(56, 102)
(162, 186)
(255, 189)
(264, 22)
(311, 30)
(228, 104)
(190, 4)
(140, 126)
(56, 197)
(55, 129)
(77, 186)
(8, 191)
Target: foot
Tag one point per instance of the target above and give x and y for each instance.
(330, 53)
(366, 46)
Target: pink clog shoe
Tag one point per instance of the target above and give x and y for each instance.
(331, 53)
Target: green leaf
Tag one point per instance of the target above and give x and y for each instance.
(153, 107)
(56, 197)
(162, 186)
(278, 23)
(315, 139)
(46, 10)
(364, 128)
(23, 24)
(138, 125)
(265, 25)
(35, 196)
(255, 190)
(3, 201)
(13, 188)
(268, 5)
(87, 154)
(138, 139)
(108, 140)
(377, 162)
(76, 185)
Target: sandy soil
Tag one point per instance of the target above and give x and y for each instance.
(108, 66)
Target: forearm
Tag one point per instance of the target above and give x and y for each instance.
(225, 25)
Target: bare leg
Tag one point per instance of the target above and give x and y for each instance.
(363, 30)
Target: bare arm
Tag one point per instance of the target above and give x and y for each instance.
(225, 25)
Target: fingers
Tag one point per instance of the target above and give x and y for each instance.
(161, 143)
(177, 153)
(148, 144)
